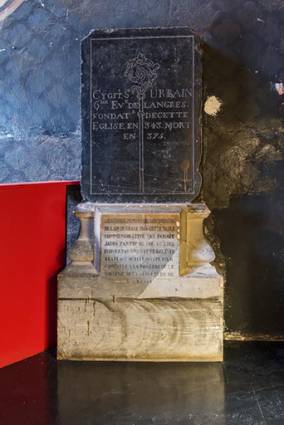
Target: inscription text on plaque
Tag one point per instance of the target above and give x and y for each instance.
(139, 247)
(140, 112)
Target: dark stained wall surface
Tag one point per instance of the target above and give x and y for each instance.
(242, 167)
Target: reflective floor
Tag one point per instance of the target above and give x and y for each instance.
(247, 389)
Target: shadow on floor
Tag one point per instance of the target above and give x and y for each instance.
(248, 388)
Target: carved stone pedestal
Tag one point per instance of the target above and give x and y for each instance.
(140, 286)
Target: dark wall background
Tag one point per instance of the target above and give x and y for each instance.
(242, 163)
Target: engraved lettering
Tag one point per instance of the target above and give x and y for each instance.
(130, 245)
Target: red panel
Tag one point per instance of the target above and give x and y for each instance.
(32, 252)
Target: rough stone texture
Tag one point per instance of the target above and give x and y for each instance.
(39, 159)
(133, 303)
(73, 199)
(243, 143)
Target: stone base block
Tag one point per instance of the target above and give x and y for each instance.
(101, 324)
(140, 287)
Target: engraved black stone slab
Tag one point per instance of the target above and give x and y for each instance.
(141, 115)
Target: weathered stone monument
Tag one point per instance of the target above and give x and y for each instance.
(140, 285)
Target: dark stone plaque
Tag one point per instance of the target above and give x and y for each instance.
(141, 106)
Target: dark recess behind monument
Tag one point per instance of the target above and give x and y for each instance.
(243, 144)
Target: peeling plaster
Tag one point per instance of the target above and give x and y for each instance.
(279, 88)
(212, 105)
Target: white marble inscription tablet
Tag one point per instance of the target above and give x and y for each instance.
(139, 247)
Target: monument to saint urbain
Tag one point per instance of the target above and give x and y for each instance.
(140, 285)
